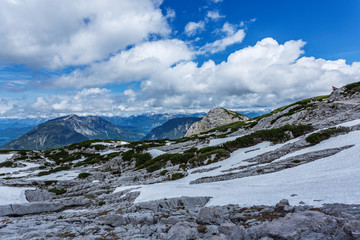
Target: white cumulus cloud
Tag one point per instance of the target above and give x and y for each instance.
(193, 28)
(132, 65)
(58, 33)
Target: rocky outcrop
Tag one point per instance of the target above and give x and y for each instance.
(216, 117)
(30, 208)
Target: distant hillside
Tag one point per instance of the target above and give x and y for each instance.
(172, 129)
(67, 130)
(144, 123)
(9, 134)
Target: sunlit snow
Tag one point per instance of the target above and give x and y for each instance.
(328, 180)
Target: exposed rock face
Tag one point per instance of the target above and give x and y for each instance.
(216, 117)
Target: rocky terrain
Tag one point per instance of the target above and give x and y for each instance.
(214, 118)
(290, 174)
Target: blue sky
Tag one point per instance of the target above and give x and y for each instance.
(135, 56)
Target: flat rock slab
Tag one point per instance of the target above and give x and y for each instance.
(29, 208)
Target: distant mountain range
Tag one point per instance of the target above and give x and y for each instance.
(172, 129)
(146, 122)
(67, 130)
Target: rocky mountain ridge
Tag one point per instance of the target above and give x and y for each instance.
(67, 130)
(216, 117)
(279, 176)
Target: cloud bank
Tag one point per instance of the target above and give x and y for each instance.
(130, 45)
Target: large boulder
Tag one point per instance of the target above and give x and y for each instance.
(216, 117)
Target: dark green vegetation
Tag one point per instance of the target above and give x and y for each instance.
(322, 135)
(275, 135)
(231, 127)
(302, 104)
(189, 159)
(6, 164)
(54, 170)
(83, 175)
(176, 176)
(299, 106)
(57, 191)
(352, 88)
(173, 129)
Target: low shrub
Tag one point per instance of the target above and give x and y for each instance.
(6, 164)
(57, 191)
(275, 135)
(209, 157)
(322, 135)
(163, 172)
(83, 175)
(176, 176)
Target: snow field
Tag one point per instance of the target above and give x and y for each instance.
(328, 180)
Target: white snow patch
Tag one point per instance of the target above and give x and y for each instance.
(61, 176)
(333, 179)
(218, 141)
(349, 124)
(5, 157)
(13, 195)
(155, 152)
(108, 152)
(18, 169)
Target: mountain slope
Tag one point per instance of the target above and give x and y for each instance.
(216, 117)
(173, 129)
(67, 130)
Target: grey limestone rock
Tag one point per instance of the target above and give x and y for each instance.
(30, 208)
(113, 220)
(210, 215)
(216, 117)
(353, 228)
(300, 225)
(181, 231)
(38, 195)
